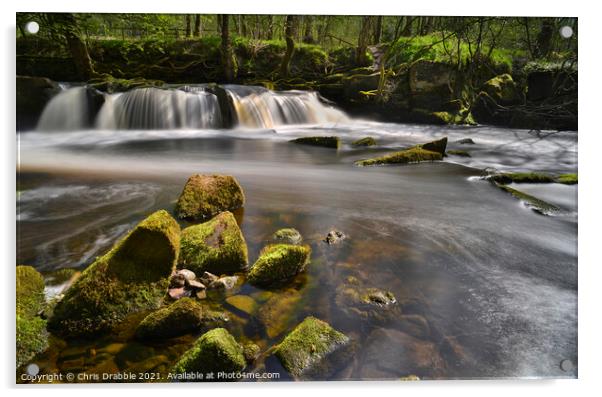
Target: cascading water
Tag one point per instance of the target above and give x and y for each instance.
(185, 107)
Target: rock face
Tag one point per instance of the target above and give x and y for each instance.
(288, 236)
(305, 350)
(391, 354)
(204, 196)
(279, 263)
(179, 318)
(332, 142)
(429, 84)
(132, 276)
(216, 246)
(31, 334)
(33, 93)
(215, 351)
(408, 156)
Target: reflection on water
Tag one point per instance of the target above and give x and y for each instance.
(484, 287)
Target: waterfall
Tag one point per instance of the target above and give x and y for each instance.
(72, 109)
(184, 107)
(160, 109)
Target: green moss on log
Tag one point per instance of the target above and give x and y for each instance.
(216, 246)
(279, 263)
(204, 196)
(332, 142)
(215, 351)
(132, 276)
(308, 344)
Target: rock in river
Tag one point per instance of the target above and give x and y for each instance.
(179, 318)
(132, 276)
(216, 246)
(205, 196)
(215, 351)
(31, 334)
(279, 263)
(309, 346)
(288, 236)
(332, 142)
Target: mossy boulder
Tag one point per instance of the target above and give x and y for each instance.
(31, 334)
(437, 146)
(367, 141)
(215, 351)
(132, 276)
(204, 196)
(332, 142)
(279, 263)
(567, 179)
(308, 345)
(521, 177)
(179, 318)
(408, 156)
(288, 236)
(216, 246)
(503, 90)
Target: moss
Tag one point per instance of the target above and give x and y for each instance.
(408, 156)
(207, 195)
(279, 263)
(251, 351)
(521, 177)
(461, 153)
(326, 141)
(31, 335)
(567, 179)
(503, 89)
(533, 203)
(367, 141)
(243, 303)
(288, 236)
(61, 276)
(217, 246)
(179, 318)
(30, 291)
(309, 343)
(132, 276)
(214, 351)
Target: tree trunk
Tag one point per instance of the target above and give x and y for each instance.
(270, 30)
(362, 42)
(289, 33)
(188, 31)
(228, 64)
(378, 29)
(544, 38)
(308, 36)
(77, 47)
(197, 26)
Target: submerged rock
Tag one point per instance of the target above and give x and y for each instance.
(205, 196)
(217, 246)
(215, 351)
(334, 237)
(243, 303)
(279, 263)
(132, 276)
(275, 315)
(31, 334)
(367, 141)
(357, 302)
(408, 156)
(288, 236)
(179, 318)
(308, 346)
(325, 141)
(461, 153)
(465, 141)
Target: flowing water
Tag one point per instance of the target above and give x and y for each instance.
(491, 284)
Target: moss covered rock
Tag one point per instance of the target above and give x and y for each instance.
(308, 345)
(332, 142)
(214, 351)
(132, 276)
(567, 179)
(216, 246)
(288, 236)
(204, 196)
(279, 263)
(31, 335)
(503, 90)
(367, 141)
(521, 177)
(408, 156)
(437, 146)
(179, 318)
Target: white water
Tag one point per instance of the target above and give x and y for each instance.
(68, 111)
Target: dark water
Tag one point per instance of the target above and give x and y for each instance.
(491, 284)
